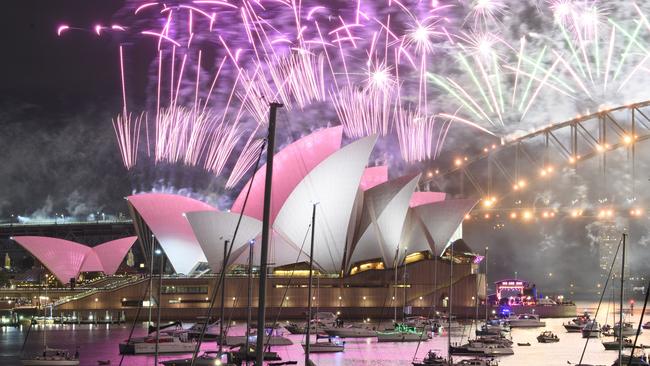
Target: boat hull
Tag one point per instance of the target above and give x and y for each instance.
(49, 362)
(527, 324)
(401, 337)
(150, 348)
(324, 348)
(351, 332)
(595, 333)
(241, 341)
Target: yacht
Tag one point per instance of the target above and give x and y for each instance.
(547, 337)
(206, 359)
(576, 325)
(573, 327)
(166, 344)
(477, 362)
(325, 319)
(351, 331)
(479, 347)
(591, 329)
(628, 330)
(52, 357)
(295, 328)
(274, 340)
(638, 359)
(492, 330)
(194, 332)
(432, 359)
(627, 343)
(524, 321)
(242, 355)
(402, 333)
(330, 345)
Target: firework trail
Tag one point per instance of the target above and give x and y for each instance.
(246, 160)
(376, 67)
(127, 133)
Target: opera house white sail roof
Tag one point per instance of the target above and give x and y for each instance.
(66, 259)
(360, 215)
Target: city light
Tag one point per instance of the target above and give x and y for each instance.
(527, 215)
(636, 212)
(489, 201)
(627, 139)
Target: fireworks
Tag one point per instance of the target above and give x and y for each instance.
(411, 68)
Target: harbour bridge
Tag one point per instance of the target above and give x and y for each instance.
(606, 140)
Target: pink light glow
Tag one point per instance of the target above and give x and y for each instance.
(144, 6)
(112, 253)
(423, 198)
(67, 259)
(61, 29)
(291, 165)
(163, 213)
(373, 176)
(161, 36)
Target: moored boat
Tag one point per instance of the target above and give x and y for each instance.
(627, 343)
(52, 357)
(351, 331)
(402, 333)
(477, 362)
(591, 330)
(329, 345)
(524, 321)
(147, 345)
(547, 337)
(432, 359)
(628, 330)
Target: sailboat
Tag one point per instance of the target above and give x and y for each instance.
(332, 343)
(51, 356)
(402, 332)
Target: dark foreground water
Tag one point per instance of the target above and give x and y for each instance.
(101, 343)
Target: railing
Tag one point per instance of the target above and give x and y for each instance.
(62, 222)
(113, 286)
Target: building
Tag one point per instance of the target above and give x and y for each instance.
(369, 231)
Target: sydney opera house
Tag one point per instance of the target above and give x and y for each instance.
(379, 244)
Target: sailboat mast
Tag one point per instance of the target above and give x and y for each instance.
(451, 283)
(159, 303)
(223, 299)
(266, 220)
(396, 264)
(250, 296)
(311, 277)
(404, 284)
(620, 310)
(486, 285)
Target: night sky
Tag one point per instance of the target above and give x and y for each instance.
(57, 98)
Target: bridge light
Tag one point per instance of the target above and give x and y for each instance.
(627, 139)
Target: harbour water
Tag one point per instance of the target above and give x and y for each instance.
(101, 343)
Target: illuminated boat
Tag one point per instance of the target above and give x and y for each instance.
(402, 333)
